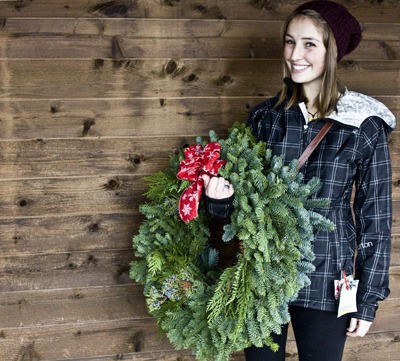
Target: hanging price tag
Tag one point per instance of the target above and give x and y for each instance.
(346, 292)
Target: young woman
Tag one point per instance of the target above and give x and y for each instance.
(353, 153)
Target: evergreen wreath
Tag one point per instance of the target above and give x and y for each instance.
(218, 311)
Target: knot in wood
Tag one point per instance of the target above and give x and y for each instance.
(94, 227)
(98, 63)
(114, 11)
(225, 79)
(3, 22)
(20, 4)
(170, 2)
(137, 341)
(91, 260)
(135, 160)
(76, 296)
(23, 202)
(87, 125)
(171, 67)
(265, 5)
(54, 108)
(191, 78)
(201, 8)
(113, 184)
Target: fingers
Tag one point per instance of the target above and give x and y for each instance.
(217, 187)
(206, 179)
(352, 325)
(358, 328)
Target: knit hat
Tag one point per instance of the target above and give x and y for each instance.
(344, 26)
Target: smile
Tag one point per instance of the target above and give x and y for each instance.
(299, 67)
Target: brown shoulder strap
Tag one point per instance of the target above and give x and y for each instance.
(307, 152)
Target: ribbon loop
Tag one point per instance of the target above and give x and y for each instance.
(198, 161)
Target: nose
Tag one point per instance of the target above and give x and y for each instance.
(297, 53)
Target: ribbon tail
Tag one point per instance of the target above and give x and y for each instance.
(190, 200)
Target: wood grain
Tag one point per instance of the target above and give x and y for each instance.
(163, 78)
(129, 117)
(97, 94)
(62, 233)
(40, 308)
(94, 38)
(133, 332)
(89, 156)
(364, 10)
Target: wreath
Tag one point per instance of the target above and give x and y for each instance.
(216, 310)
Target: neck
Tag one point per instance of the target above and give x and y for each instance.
(311, 92)
(312, 109)
(311, 95)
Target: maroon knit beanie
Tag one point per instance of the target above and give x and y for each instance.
(344, 26)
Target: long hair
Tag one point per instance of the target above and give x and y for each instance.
(331, 88)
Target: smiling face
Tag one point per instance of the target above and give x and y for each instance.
(305, 53)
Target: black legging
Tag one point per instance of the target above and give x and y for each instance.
(320, 336)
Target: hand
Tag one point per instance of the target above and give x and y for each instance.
(217, 187)
(358, 328)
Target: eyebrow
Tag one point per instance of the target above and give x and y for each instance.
(305, 38)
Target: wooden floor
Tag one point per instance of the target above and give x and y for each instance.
(95, 95)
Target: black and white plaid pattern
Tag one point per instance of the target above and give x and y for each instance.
(221, 208)
(347, 155)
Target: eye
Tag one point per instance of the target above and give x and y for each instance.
(309, 44)
(289, 41)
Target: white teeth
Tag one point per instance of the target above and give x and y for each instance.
(300, 67)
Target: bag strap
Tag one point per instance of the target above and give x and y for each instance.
(307, 152)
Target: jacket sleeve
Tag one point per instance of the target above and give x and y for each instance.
(373, 212)
(221, 208)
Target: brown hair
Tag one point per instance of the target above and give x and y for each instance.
(331, 88)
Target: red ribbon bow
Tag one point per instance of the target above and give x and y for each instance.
(198, 161)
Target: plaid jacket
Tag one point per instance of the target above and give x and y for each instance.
(354, 152)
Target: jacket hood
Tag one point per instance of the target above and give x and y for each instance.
(353, 108)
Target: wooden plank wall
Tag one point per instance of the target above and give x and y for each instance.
(97, 94)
